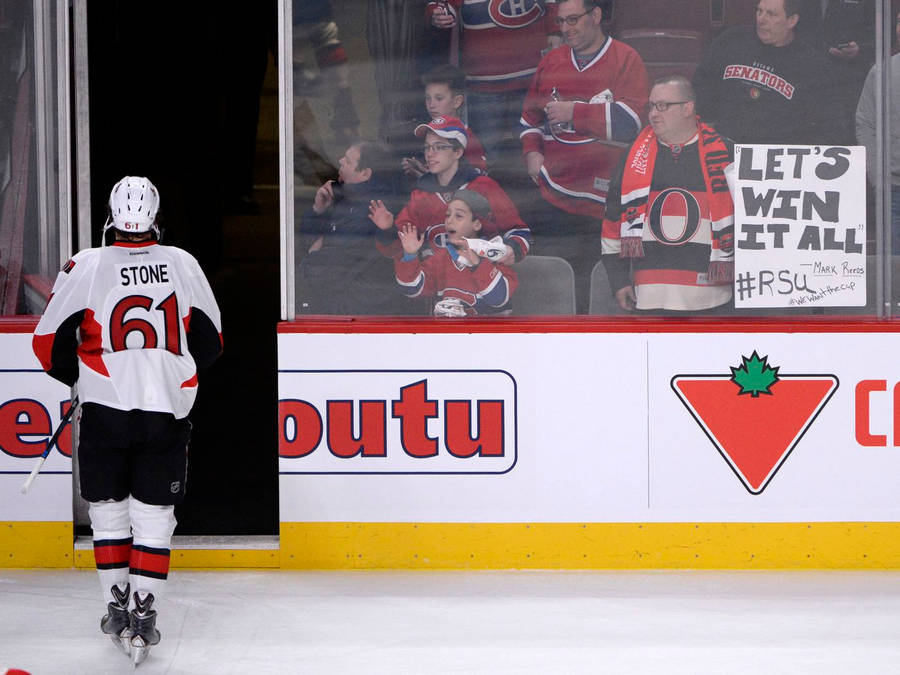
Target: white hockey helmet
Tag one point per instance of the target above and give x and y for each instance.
(133, 204)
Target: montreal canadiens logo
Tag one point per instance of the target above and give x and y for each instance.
(514, 13)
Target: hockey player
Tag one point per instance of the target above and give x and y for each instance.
(584, 103)
(462, 282)
(445, 141)
(131, 323)
(669, 228)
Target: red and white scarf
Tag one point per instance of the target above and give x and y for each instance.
(714, 157)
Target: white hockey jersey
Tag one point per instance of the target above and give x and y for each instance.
(131, 323)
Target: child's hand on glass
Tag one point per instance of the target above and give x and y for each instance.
(410, 239)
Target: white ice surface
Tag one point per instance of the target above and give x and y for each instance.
(468, 622)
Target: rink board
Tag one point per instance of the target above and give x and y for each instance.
(592, 460)
(601, 461)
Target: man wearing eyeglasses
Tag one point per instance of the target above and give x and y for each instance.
(584, 103)
(669, 227)
(762, 85)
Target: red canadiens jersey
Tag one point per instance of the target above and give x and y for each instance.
(482, 289)
(474, 152)
(139, 318)
(501, 40)
(611, 94)
(427, 211)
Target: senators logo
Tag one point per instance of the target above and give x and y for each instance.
(514, 13)
(762, 77)
(674, 217)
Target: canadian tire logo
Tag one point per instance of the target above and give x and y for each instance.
(755, 416)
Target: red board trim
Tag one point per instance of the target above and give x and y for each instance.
(575, 324)
(18, 324)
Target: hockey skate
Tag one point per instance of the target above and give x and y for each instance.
(143, 628)
(117, 623)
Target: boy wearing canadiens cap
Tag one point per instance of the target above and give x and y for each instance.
(445, 142)
(462, 282)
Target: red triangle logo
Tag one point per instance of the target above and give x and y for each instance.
(754, 428)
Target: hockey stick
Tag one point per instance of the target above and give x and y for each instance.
(53, 439)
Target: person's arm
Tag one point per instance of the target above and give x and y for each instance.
(204, 327)
(516, 234)
(495, 285)
(55, 340)
(618, 120)
(617, 268)
(442, 15)
(386, 237)
(531, 126)
(409, 270)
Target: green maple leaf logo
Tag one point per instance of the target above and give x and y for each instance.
(754, 376)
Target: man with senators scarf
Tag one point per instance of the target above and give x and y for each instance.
(669, 228)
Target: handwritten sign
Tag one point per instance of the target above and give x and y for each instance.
(800, 226)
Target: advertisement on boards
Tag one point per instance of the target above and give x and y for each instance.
(384, 428)
(609, 427)
(800, 231)
(32, 404)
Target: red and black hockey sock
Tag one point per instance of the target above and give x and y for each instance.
(149, 570)
(112, 558)
(111, 554)
(150, 563)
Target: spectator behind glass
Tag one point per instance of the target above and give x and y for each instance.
(445, 142)
(445, 96)
(456, 278)
(865, 133)
(499, 47)
(342, 272)
(314, 24)
(844, 32)
(585, 101)
(669, 227)
(761, 85)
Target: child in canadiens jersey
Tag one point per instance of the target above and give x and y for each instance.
(459, 280)
(445, 96)
(448, 171)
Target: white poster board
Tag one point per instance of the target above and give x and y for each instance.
(800, 233)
